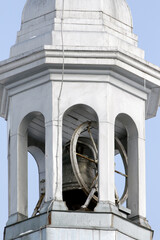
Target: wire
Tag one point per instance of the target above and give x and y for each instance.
(59, 97)
(62, 40)
(58, 113)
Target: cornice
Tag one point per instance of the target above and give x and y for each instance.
(98, 59)
(134, 71)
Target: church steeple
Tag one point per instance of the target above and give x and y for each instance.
(76, 92)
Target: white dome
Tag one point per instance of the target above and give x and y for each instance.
(87, 23)
(117, 9)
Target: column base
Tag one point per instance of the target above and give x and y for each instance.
(141, 221)
(109, 207)
(14, 218)
(54, 205)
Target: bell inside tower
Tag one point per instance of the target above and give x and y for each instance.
(80, 158)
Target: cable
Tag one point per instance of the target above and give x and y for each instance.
(62, 40)
(60, 93)
(58, 114)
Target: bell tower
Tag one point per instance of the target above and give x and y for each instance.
(75, 92)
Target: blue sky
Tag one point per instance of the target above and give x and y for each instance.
(146, 21)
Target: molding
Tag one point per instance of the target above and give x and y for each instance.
(132, 71)
(101, 58)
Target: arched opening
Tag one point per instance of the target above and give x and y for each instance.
(33, 184)
(38, 156)
(80, 158)
(126, 161)
(121, 163)
(31, 142)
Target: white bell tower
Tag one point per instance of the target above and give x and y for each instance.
(75, 92)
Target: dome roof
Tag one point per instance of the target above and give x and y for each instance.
(85, 21)
(117, 9)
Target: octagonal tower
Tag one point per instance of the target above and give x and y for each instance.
(75, 92)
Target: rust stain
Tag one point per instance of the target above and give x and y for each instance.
(49, 218)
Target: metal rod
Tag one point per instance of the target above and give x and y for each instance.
(38, 205)
(116, 194)
(95, 179)
(92, 139)
(92, 192)
(89, 159)
(124, 175)
(87, 202)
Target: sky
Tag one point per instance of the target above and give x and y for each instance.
(146, 21)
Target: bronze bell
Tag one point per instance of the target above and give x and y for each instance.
(73, 194)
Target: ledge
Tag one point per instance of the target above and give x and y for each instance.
(79, 220)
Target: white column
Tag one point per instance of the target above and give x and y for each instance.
(142, 178)
(18, 178)
(137, 180)
(133, 183)
(106, 166)
(53, 165)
